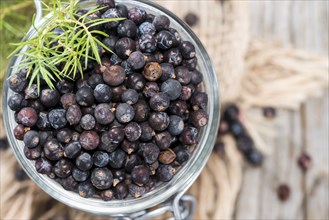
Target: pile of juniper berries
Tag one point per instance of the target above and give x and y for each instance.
(128, 123)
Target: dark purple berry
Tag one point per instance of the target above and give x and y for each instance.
(191, 19)
(165, 173)
(187, 49)
(132, 161)
(117, 159)
(165, 40)
(57, 118)
(129, 96)
(183, 75)
(84, 162)
(181, 155)
(73, 115)
(140, 175)
(161, 22)
(87, 122)
(94, 80)
(159, 102)
(49, 97)
(72, 150)
(136, 81)
(110, 42)
(36, 104)
(101, 178)
(147, 132)
(121, 191)
(199, 100)
(177, 39)
(163, 140)
(186, 93)
(32, 153)
(127, 28)
(101, 158)
(142, 111)
(122, 9)
(189, 136)
(254, 157)
(152, 71)
(150, 89)
(31, 139)
(150, 152)
(231, 113)
(176, 125)
(19, 132)
(85, 96)
(64, 86)
(43, 122)
(53, 150)
(115, 60)
(137, 15)
(150, 17)
(196, 77)
(18, 82)
(89, 140)
(199, 118)
(146, 28)
(16, 102)
(64, 135)
(68, 183)
(168, 72)
(86, 189)
(127, 68)
(124, 113)
(107, 195)
(136, 191)
(63, 168)
(31, 92)
(27, 116)
(105, 4)
(111, 13)
(129, 147)
(113, 75)
(158, 56)
(173, 56)
(68, 100)
(283, 192)
(133, 131)
(116, 134)
(43, 166)
(103, 114)
(159, 121)
(147, 43)
(190, 64)
(237, 128)
(102, 93)
(304, 161)
(172, 88)
(136, 60)
(79, 175)
(124, 47)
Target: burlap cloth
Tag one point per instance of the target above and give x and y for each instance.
(250, 73)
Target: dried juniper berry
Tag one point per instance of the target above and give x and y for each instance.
(43, 123)
(163, 140)
(18, 82)
(31, 92)
(133, 131)
(43, 166)
(196, 77)
(27, 116)
(68, 183)
(173, 56)
(115, 60)
(63, 168)
(79, 175)
(136, 81)
(161, 22)
(84, 161)
(86, 189)
(150, 89)
(105, 4)
(136, 60)
(136, 191)
(19, 132)
(88, 110)
(150, 152)
(72, 150)
(183, 75)
(168, 72)
(64, 135)
(122, 9)
(127, 28)
(75, 136)
(110, 42)
(254, 157)
(31, 139)
(129, 96)
(154, 166)
(87, 122)
(132, 161)
(159, 121)
(129, 146)
(142, 111)
(146, 28)
(189, 136)
(191, 19)
(116, 134)
(152, 71)
(102, 93)
(89, 140)
(94, 80)
(159, 102)
(199, 118)
(127, 68)
(103, 114)
(137, 15)
(172, 88)
(16, 102)
(85, 96)
(199, 100)
(118, 176)
(181, 155)
(107, 195)
(37, 105)
(191, 64)
(231, 113)
(68, 100)
(176, 125)
(73, 115)
(304, 161)
(49, 97)
(177, 39)
(186, 93)
(101, 158)
(53, 149)
(187, 49)
(32, 153)
(101, 178)
(165, 40)
(147, 43)
(117, 158)
(283, 192)
(147, 132)
(111, 13)
(158, 56)
(63, 86)
(150, 17)
(124, 47)
(140, 175)
(167, 156)
(165, 172)
(121, 191)
(124, 113)
(113, 75)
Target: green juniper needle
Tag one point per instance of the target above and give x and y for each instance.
(62, 47)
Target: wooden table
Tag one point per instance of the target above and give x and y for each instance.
(303, 24)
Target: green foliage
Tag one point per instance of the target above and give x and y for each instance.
(62, 47)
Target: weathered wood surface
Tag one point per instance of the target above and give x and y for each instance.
(304, 25)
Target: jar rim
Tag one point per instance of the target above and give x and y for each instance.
(183, 178)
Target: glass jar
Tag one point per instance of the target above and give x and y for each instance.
(183, 178)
